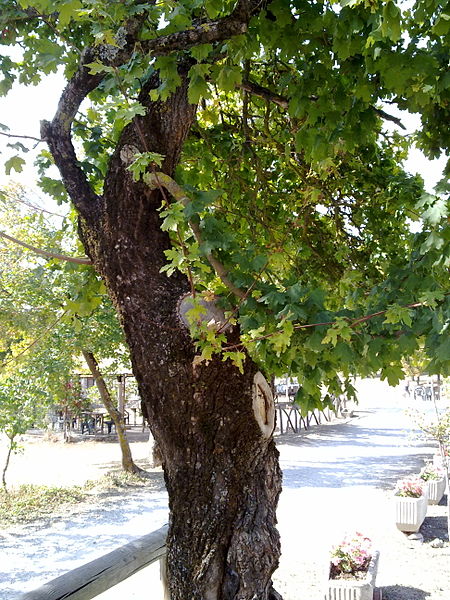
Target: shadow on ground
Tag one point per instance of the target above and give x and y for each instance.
(343, 434)
(381, 471)
(400, 592)
(434, 527)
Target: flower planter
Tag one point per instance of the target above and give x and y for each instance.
(436, 489)
(410, 512)
(353, 589)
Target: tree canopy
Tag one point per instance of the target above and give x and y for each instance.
(289, 207)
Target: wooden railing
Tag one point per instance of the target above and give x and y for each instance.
(101, 574)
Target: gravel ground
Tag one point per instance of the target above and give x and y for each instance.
(337, 477)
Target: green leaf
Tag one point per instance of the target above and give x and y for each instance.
(434, 240)
(142, 161)
(393, 373)
(339, 330)
(436, 212)
(228, 77)
(213, 8)
(237, 358)
(198, 87)
(398, 314)
(200, 200)
(127, 113)
(201, 52)
(15, 163)
(442, 25)
(443, 350)
(67, 10)
(97, 67)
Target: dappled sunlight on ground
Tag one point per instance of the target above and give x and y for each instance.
(338, 477)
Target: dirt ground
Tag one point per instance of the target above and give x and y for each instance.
(337, 478)
(46, 460)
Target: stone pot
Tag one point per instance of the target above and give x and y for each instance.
(353, 589)
(436, 489)
(410, 512)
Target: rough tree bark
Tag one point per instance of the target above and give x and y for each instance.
(128, 464)
(215, 436)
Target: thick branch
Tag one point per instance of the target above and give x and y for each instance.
(283, 102)
(389, 117)
(47, 253)
(264, 93)
(157, 180)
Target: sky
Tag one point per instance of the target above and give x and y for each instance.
(24, 108)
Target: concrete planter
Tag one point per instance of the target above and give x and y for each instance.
(353, 589)
(410, 512)
(436, 489)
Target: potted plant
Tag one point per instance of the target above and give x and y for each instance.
(435, 480)
(352, 570)
(410, 504)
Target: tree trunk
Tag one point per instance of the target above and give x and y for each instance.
(220, 462)
(127, 460)
(8, 458)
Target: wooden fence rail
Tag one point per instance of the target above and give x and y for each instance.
(103, 573)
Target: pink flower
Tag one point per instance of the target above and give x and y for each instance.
(353, 554)
(410, 487)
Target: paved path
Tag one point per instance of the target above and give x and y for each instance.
(339, 478)
(335, 480)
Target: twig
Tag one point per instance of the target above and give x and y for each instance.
(23, 137)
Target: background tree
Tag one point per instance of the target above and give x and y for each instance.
(232, 156)
(22, 406)
(54, 312)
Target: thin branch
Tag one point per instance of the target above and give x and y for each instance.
(22, 137)
(264, 93)
(79, 260)
(155, 180)
(34, 207)
(353, 323)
